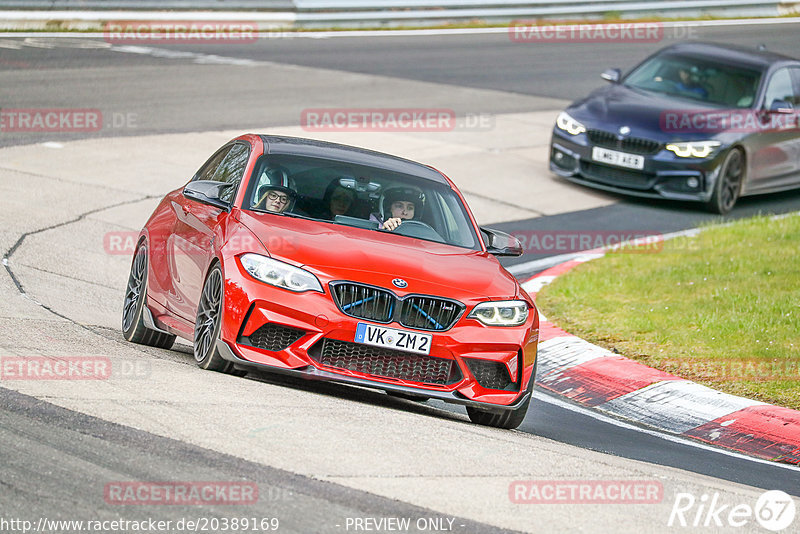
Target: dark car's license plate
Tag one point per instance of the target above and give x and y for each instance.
(620, 159)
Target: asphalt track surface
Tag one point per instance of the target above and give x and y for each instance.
(183, 99)
(80, 450)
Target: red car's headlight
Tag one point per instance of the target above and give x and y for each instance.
(279, 274)
(501, 312)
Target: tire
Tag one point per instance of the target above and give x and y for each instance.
(133, 327)
(208, 324)
(728, 184)
(508, 419)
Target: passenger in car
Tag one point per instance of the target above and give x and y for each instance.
(337, 200)
(277, 191)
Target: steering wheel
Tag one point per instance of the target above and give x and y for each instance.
(418, 229)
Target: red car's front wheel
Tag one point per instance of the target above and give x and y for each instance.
(208, 323)
(510, 419)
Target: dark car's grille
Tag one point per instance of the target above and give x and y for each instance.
(491, 375)
(635, 145)
(379, 305)
(388, 363)
(274, 337)
(616, 176)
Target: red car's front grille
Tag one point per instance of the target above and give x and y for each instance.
(273, 337)
(491, 375)
(388, 363)
(422, 312)
(364, 302)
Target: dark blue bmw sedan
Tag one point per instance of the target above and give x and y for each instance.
(695, 121)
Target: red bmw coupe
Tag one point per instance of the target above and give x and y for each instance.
(332, 262)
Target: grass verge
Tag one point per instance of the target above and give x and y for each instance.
(721, 308)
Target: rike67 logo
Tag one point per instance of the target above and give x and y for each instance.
(774, 510)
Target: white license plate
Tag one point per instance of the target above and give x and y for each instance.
(620, 159)
(391, 338)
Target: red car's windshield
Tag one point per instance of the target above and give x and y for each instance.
(362, 196)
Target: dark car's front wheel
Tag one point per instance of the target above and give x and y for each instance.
(208, 324)
(729, 183)
(133, 308)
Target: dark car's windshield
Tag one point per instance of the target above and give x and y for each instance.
(361, 196)
(697, 79)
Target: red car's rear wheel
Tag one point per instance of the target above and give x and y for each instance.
(133, 326)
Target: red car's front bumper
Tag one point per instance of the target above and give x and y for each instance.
(296, 333)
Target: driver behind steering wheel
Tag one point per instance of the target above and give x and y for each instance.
(398, 204)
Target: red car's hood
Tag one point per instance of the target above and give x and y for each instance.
(344, 253)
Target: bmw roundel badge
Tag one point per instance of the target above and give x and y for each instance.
(399, 282)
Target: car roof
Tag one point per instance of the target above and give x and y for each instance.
(298, 146)
(740, 55)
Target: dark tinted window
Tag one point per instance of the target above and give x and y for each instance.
(779, 87)
(695, 78)
(795, 72)
(231, 170)
(207, 171)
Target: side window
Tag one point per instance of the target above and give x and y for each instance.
(208, 170)
(231, 170)
(779, 88)
(796, 78)
(456, 229)
(449, 220)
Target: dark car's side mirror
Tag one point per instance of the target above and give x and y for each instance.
(208, 192)
(612, 75)
(781, 106)
(501, 244)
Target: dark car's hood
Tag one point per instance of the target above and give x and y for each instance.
(345, 253)
(644, 112)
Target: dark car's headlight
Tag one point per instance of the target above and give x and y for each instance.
(693, 149)
(569, 125)
(501, 312)
(279, 274)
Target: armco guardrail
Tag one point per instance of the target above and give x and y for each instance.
(332, 13)
(321, 11)
(138, 5)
